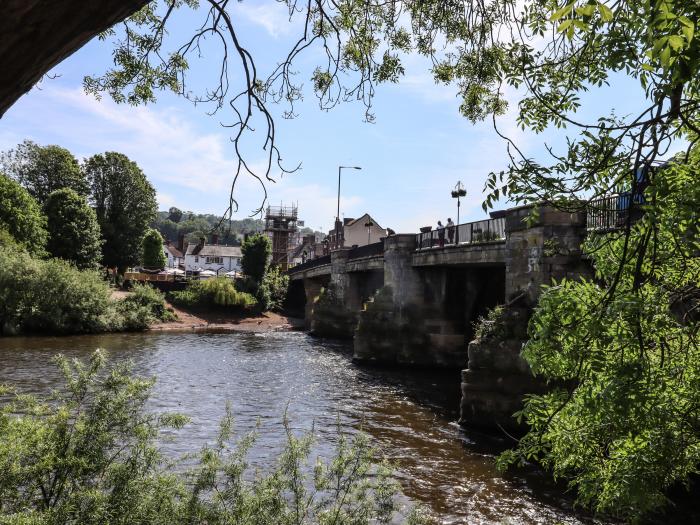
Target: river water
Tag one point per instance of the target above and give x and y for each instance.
(409, 415)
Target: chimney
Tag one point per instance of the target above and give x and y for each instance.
(181, 242)
(215, 238)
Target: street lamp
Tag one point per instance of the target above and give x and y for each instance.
(458, 193)
(369, 225)
(337, 215)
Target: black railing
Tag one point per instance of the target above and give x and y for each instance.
(313, 263)
(613, 211)
(368, 250)
(488, 230)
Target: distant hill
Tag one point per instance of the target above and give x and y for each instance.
(174, 222)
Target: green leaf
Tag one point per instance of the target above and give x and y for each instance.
(676, 42)
(564, 25)
(561, 13)
(586, 10)
(605, 12)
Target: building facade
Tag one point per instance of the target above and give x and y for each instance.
(216, 257)
(356, 232)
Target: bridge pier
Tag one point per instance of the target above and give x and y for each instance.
(497, 377)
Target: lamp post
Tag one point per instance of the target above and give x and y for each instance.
(369, 225)
(457, 193)
(338, 226)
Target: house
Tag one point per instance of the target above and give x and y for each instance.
(308, 249)
(357, 232)
(173, 255)
(216, 257)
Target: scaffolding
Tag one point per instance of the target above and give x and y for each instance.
(280, 224)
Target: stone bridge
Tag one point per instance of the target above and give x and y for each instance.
(413, 300)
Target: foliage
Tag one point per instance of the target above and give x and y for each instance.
(193, 226)
(125, 204)
(50, 296)
(44, 169)
(273, 290)
(621, 354)
(144, 298)
(74, 234)
(174, 214)
(490, 325)
(153, 255)
(256, 256)
(90, 455)
(21, 216)
(218, 291)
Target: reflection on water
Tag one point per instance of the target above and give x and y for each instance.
(408, 414)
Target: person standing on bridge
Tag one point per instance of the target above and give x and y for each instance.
(441, 234)
(450, 230)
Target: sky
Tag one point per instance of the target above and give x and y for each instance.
(411, 157)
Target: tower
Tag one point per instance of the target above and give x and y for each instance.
(280, 223)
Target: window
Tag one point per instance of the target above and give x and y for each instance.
(196, 258)
(215, 260)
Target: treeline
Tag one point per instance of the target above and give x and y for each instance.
(92, 214)
(60, 221)
(173, 223)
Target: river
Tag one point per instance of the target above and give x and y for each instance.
(409, 415)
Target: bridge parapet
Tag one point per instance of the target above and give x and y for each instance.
(476, 232)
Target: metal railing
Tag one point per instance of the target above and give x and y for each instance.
(368, 250)
(477, 232)
(613, 211)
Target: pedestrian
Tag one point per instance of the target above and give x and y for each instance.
(441, 234)
(451, 230)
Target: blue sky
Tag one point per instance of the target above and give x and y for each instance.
(411, 157)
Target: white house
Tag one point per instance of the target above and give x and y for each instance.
(216, 257)
(173, 255)
(359, 232)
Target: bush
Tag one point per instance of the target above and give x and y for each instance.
(219, 291)
(143, 306)
(50, 296)
(54, 297)
(273, 289)
(90, 455)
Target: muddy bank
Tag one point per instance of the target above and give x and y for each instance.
(217, 321)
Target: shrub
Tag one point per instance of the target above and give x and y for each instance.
(52, 296)
(489, 325)
(90, 455)
(273, 289)
(146, 301)
(219, 291)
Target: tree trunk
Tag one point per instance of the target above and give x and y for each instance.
(35, 35)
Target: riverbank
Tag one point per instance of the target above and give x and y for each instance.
(221, 321)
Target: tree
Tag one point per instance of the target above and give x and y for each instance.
(74, 234)
(21, 216)
(125, 204)
(153, 256)
(256, 257)
(43, 169)
(175, 214)
(621, 419)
